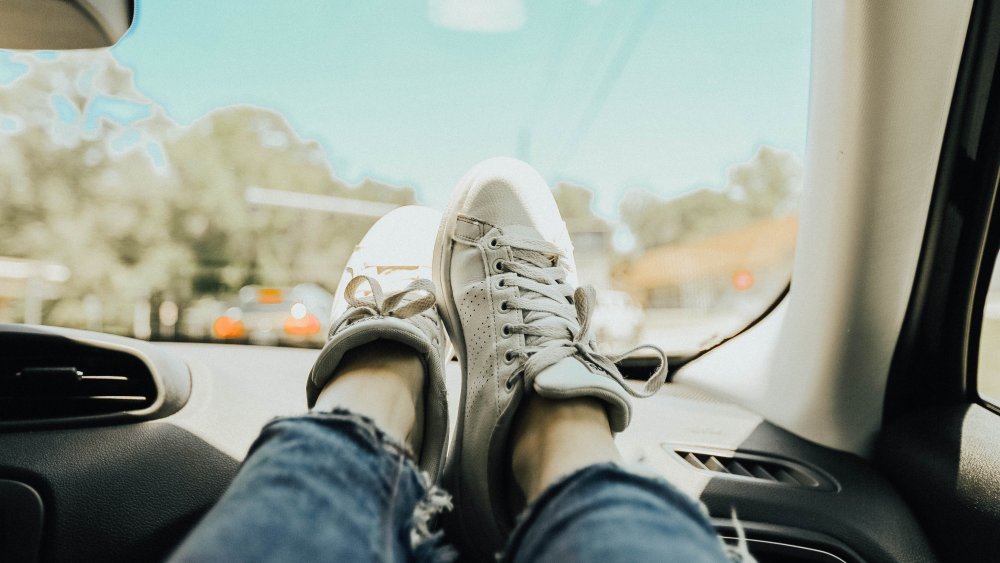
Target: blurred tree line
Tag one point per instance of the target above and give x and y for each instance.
(764, 187)
(95, 176)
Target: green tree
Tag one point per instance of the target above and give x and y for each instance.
(765, 186)
(95, 176)
(574, 202)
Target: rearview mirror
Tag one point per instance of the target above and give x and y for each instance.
(48, 25)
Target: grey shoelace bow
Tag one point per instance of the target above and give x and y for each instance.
(379, 304)
(557, 318)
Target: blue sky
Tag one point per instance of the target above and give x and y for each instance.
(661, 95)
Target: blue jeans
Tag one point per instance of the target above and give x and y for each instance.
(334, 487)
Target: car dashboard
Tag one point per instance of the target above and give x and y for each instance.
(126, 479)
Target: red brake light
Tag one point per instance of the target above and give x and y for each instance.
(308, 325)
(227, 328)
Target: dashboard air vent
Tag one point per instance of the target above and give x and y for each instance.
(57, 379)
(759, 468)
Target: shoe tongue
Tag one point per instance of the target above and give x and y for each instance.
(570, 377)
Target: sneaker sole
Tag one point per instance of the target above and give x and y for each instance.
(441, 268)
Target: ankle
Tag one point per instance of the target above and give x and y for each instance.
(382, 380)
(553, 438)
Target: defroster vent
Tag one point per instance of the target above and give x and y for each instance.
(754, 467)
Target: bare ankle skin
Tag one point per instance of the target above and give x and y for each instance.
(382, 380)
(553, 438)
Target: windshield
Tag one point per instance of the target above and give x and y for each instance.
(218, 152)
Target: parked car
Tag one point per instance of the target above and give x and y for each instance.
(297, 316)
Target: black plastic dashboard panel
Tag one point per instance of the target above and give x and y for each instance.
(783, 544)
(865, 519)
(21, 519)
(127, 492)
(944, 460)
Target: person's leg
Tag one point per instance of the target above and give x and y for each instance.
(535, 385)
(337, 484)
(584, 506)
(381, 380)
(341, 483)
(553, 438)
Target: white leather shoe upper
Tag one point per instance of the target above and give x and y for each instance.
(386, 294)
(507, 280)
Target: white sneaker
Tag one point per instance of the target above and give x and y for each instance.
(505, 273)
(386, 294)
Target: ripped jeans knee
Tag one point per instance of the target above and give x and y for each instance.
(357, 477)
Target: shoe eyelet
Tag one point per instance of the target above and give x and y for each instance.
(508, 357)
(505, 330)
(498, 266)
(503, 306)
(500, 284)
(493, 243)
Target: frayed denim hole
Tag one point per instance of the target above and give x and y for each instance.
(435, 502)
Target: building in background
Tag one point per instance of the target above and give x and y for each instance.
(24, 287)
(714, 271)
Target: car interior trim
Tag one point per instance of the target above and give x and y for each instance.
(882, 79)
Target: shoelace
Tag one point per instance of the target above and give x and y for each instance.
(557, 319)
(378, 304)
